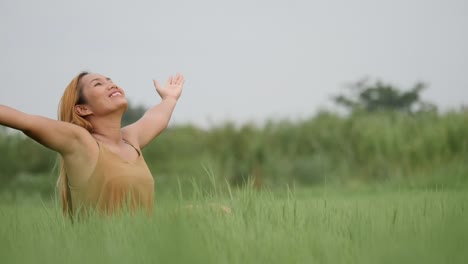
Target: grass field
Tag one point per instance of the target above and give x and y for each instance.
(304, 226)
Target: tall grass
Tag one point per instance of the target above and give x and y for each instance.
(290, 226)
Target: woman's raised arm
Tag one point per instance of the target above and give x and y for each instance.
(156, 119)
(60, 136)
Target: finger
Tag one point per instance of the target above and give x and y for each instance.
(156, 84)
(169, 81)
(182, 79)
(158, 87)
(179, 78)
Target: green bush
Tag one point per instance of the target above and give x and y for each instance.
(390, 147)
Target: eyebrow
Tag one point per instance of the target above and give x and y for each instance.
(97, 79)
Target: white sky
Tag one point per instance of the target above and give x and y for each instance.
(243, 60)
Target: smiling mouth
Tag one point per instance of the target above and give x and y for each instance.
(115, 94)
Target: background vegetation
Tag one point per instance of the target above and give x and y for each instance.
(387, 136)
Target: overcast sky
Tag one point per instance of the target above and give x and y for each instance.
(243, 60)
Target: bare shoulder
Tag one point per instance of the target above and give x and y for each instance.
(84, 138)
(80, 141)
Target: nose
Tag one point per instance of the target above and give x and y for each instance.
(112, 86)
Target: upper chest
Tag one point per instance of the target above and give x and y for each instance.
(106, 162)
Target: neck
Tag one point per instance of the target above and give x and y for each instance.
(107, 128)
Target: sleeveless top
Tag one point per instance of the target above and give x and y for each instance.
(114, 184)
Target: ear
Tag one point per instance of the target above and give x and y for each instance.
(82, 110)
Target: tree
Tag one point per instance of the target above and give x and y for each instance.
(379, 96)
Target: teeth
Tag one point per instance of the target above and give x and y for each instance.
(114, 94)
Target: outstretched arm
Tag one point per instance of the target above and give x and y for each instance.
(157, 118)
(60, 136)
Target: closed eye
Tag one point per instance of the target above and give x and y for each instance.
(96, 84)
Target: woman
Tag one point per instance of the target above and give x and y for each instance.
(102, 166)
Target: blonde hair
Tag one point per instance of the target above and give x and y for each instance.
(72, 96)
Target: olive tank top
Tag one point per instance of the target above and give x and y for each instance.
(115, 183)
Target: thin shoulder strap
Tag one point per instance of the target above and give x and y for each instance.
(126, 141)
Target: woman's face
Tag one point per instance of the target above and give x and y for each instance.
(101, 95)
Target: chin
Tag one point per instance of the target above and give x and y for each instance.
(124, 105)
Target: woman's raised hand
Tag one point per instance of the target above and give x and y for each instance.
(172, 88)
